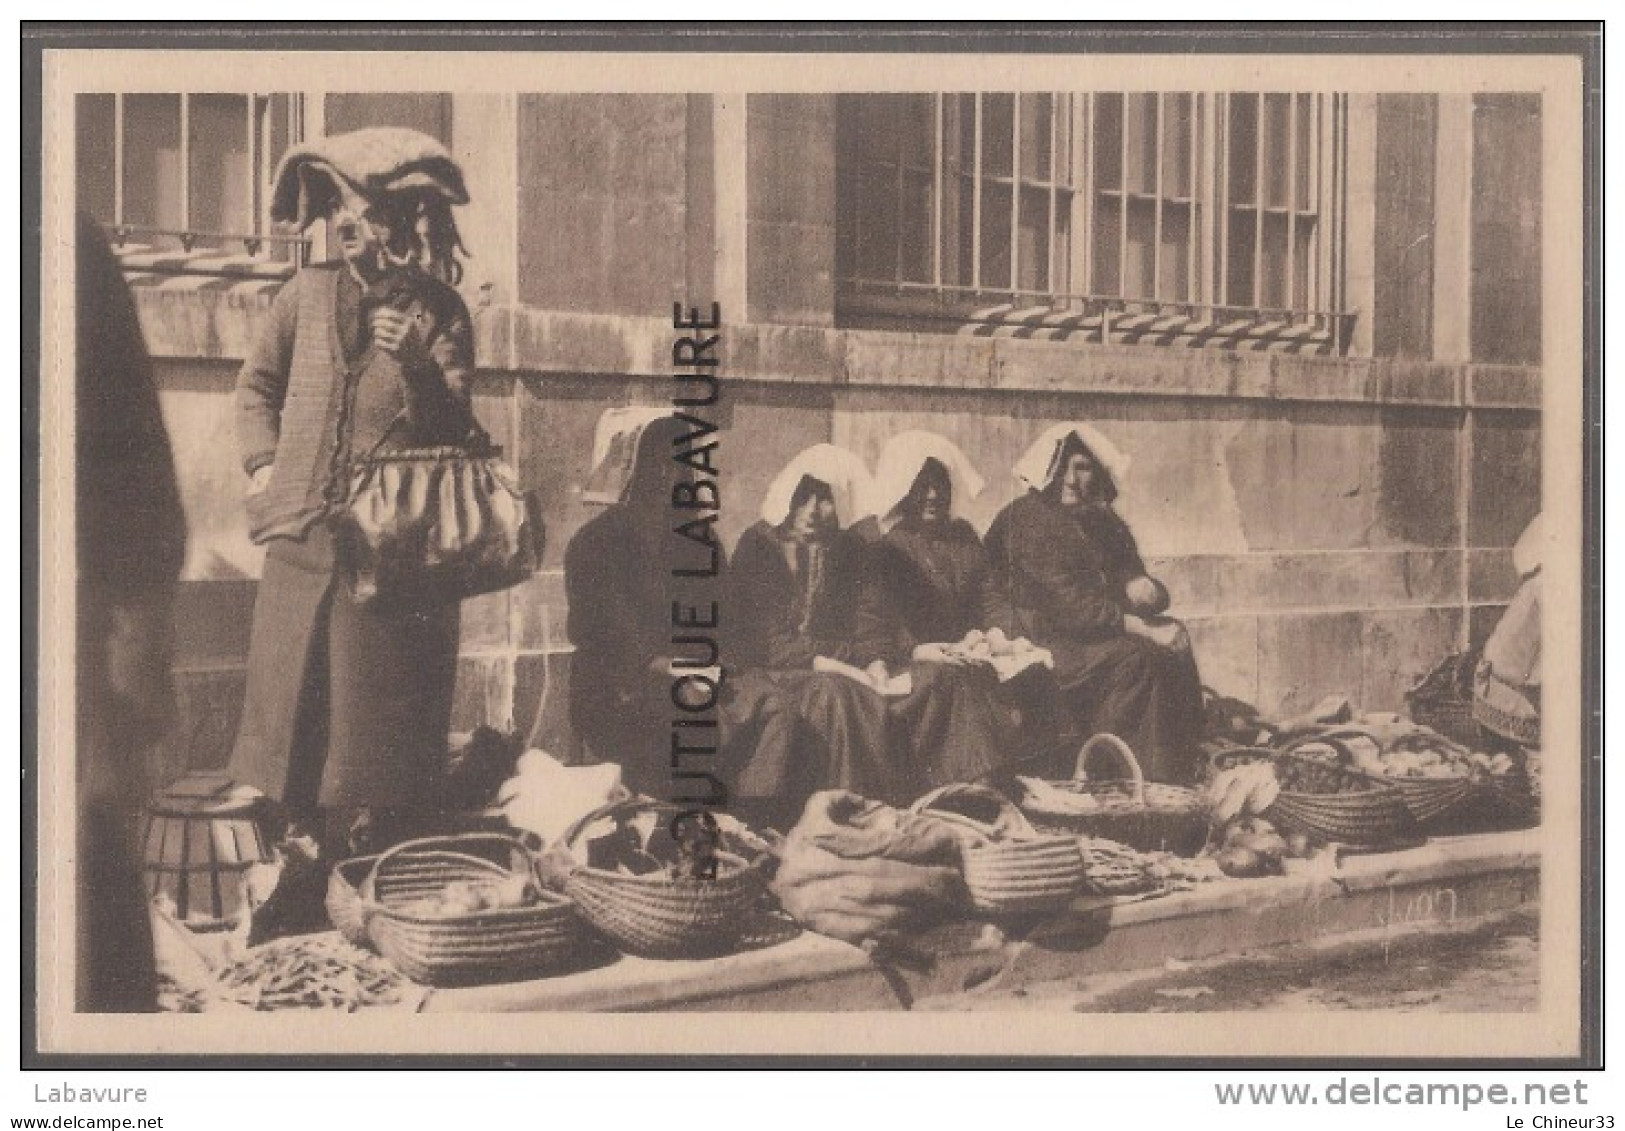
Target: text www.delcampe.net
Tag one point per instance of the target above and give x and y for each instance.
(90, 1122)
(1377, 1092)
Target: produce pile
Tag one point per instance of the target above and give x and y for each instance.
(1252, 846)
(1387, 747)
(312, 972)
(990, 645)
(1116, 869)
(1007, 657)
(469, 897)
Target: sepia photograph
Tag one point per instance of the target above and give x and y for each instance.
(1075, 536)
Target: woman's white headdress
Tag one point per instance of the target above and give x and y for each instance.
(844, 473)
(900, 463)
(615, 449)
(1039, 465)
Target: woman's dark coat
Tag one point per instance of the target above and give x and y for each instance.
(931, 585)
(925, 586)
(1063, 574)
(839, 733)
(620, 586)
(346, 706)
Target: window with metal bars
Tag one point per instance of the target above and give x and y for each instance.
(182, 181)
(1173, 217)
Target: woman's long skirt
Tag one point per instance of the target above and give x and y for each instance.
(953, 726)
(346, 707)
(793, 733)
(1147, 695)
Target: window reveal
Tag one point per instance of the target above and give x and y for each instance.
(1214, 219)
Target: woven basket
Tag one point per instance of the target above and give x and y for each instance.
(1443, 699)
(661, 916)
(1358, 810)
(1111, 869)
(1150, 816)
(1496, 803)
(1429, 800)
(1524, 731)
(1010, 868)
(500, 944)
(1469, 802)
(1333, 803)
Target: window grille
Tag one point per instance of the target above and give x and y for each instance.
(182, 181)
(1172, 217)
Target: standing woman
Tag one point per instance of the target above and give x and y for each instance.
(348, 706)
(929, 584)
(1076, 585)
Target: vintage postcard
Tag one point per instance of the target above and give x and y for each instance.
(853, 541)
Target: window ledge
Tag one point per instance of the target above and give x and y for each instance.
(219, 322)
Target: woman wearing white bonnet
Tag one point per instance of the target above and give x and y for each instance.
(1077, 586)
(793, 589)
(930, 585)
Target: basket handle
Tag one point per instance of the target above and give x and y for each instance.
(1124, 752)
(1008, 813)
(444, 844)
(1250, 753)
(625, 805)
(1333, 737)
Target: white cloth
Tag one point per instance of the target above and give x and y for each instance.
(846, 475)
(546, 797)
(615, 448)
(628, 421)
(899, 466)
(1038, 466)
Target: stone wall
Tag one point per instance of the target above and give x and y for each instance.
(1324, 525)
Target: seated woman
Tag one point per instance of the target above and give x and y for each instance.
(1076, 585)
(929, 584)
(620, 581)
(792, 591)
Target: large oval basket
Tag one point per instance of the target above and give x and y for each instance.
(1150, 816)
(661, 916)
(493, 945)
(1331, 803)
(1430, 801)
(1468, 801)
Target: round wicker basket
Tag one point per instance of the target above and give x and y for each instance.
(1330, 802)
(662, 916)
(1010, 867)
(1151, 816)
(491, 945)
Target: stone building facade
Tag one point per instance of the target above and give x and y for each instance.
(1313, 322)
